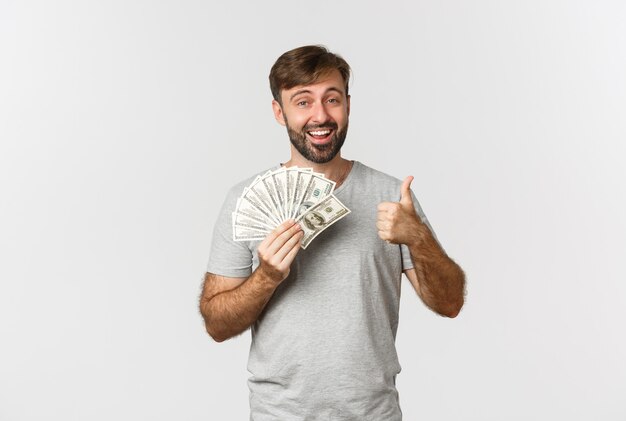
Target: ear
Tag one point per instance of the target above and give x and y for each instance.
(278, 112)
(348, 103)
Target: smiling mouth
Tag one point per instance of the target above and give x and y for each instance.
(320, 133)
(320, 136)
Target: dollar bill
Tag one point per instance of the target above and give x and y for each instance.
(251, 200)
(267, 198)
(302, 183)
(245, 221)
(245, 208)
(290, 185)
(247, 234)
(275, 200)
(318, 189)
(319, 217)
(286, 193)
(279, 178)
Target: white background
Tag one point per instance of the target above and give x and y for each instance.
(123, 124)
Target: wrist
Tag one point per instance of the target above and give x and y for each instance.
(268, 277)
(417, 234)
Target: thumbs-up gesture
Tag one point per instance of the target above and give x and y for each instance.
(398, 222)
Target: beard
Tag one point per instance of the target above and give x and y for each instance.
(319, 154)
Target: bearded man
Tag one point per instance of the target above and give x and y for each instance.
(324, 319)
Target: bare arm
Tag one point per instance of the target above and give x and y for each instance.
(437, 279)
(230, 305)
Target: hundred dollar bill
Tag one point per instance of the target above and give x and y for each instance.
(319, 217)
(282, 194)
(250, 201)
(318, 189)
(280, 181)
(265, 198)
(292, 178)
(247, 234)
(302, 183)
(247, 222)
(246, 208)
(272, 196)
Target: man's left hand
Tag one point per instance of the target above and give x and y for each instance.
(398, 222)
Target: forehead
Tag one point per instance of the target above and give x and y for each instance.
(330, 82)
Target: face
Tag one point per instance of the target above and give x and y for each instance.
(314, 219)
(316, 117)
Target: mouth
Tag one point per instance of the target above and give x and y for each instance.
(320, 137)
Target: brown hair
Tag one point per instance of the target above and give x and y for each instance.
(303, 66)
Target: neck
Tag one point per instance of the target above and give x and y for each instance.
(336, 169)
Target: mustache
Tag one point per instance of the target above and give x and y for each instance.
(329, 125)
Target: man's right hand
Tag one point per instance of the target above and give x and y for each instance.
(278, 250)
(230, 305)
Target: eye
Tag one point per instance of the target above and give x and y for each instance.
(302, 103)
(333, 100)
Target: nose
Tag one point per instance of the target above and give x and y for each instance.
(319, 113)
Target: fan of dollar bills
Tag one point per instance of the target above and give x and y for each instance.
(287, 193)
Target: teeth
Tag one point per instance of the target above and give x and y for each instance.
(320, 132)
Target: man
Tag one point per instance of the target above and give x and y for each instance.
(324, 319)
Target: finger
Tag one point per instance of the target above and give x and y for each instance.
(386, 206)
(279, 241)
(291, 254)
(382, 225)
(405, 191)
(382, 215)
(277, 231)
(288, 246)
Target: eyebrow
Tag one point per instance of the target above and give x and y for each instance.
(308, 91)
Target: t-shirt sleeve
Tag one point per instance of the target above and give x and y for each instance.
(228, 257)
(407, 263)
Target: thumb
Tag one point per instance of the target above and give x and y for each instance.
(405, 191)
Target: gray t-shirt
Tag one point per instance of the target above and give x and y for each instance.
(324, 346)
